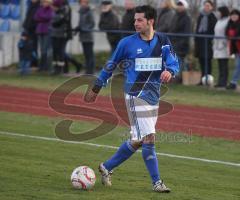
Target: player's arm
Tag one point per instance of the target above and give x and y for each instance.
(100, 82)
(171, 63)
(105, 73)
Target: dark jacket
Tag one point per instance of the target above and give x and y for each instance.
(233, 30)
(60, 21)
(128, 22)
(69, 22)
(199, 42)
(164, 20)
(29, 23)
(110, 21)
(86, 23)
(181, 24)
(25, 48)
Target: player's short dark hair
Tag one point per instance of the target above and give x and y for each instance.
(149, 12)
(224, 11)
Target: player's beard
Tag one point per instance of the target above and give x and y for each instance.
(146, 31)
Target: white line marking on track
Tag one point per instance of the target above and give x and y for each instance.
(114, 147)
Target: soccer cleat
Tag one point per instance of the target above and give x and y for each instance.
(106, 175)
(159, 186)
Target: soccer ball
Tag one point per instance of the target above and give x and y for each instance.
(208, 80)
(83, 177)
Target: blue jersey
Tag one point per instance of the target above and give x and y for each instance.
(142, 79)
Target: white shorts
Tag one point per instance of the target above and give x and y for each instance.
(142, 117)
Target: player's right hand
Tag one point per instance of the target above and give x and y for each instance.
(90, 96)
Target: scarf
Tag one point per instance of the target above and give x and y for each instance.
(203, 26)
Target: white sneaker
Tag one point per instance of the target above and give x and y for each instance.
(159, 186)
(106, 175)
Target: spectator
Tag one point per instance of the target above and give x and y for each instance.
(69, 58)
(59, 34)
(181, 24)
(166, 14)
(109, 21)
(220, 51)
(30, 25)
(26, 53)
(86, 24)
(43, 18)
(128, 17)
(233, 30)
(205, 25)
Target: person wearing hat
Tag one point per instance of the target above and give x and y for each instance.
(43, 18)
(109, 21)
(233, 30)
(181, 25)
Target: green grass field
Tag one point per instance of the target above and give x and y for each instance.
(35, 165)
(32, 168)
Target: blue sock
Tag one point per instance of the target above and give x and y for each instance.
(122, 154)
(151, 161)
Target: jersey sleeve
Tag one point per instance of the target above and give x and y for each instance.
(117, 56)
(169, 57)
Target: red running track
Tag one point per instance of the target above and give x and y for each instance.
(209, 122)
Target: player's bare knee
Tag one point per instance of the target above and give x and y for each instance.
(136, 144)
(149, 139)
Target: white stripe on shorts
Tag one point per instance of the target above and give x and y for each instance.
(142, 117)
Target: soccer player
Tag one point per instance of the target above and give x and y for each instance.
(151, 62)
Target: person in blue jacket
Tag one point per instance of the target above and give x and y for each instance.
(150, 61)
(26, 53)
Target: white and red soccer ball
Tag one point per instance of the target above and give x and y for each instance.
(83, 178)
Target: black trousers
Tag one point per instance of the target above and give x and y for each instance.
(203, 65)
(89, 57)
(70, 59)
(34, 60)
(59, 46)
(223, 72)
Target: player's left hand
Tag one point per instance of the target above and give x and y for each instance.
(166, 76)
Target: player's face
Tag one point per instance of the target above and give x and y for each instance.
(142, 25)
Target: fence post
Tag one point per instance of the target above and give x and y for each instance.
(206, 58)
(22, 10)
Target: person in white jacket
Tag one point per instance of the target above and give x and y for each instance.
(220, 50)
